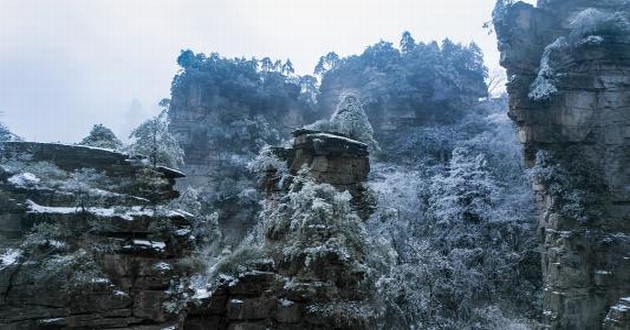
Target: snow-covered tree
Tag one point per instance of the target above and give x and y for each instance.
(153, 140)
(466, 192)
(102, 137)
(6, 135)
(349, 119)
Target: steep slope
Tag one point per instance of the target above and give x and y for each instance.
(568, 64)
(86, 240)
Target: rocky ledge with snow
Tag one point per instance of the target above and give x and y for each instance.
(87, 239)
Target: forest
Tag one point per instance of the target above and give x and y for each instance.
(389, 189)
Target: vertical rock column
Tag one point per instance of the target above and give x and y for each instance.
(576, 133)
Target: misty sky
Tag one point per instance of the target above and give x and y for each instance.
(68, 64)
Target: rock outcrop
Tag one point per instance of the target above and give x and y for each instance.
(313, 271)
(85, 239)
(568, 64)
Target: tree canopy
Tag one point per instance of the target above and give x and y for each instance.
(102, 137)
(438, 82)
(153, 140)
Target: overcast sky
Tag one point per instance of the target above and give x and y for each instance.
(68, 64)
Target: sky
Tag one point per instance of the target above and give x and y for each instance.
(66, 65)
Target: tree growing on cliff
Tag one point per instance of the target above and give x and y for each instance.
(350, 119)
(101, 137)
(6, 135)
(153, 140)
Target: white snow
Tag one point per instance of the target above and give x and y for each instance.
(99, 280)
(602, 272)
(149, 244)
(162, 266)
(621, 308)
(332, 136)
(120, 293)
(169, 169)
(285, 302)
(24, 179)
(592, 40)
(182, 232)
(128, 214)
(172, 327)
(47, 321)
(9, 257)
(202, 294)
(236, 301)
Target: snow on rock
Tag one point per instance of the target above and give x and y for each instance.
(162, 267)
(24, 179)
(285, 302)
(128, 213)
(159, 246)
(120, 293)
(9, 257)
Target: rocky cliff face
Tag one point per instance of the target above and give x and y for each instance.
(313, 270)
(568, 64)
(85, 239)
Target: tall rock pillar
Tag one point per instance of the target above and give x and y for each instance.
(568, 65)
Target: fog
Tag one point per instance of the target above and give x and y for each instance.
(68, 64)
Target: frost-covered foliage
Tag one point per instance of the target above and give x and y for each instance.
(265, 162)
(101, 137)
(52, 256)
(349, 119)
(467, 191)
(570, 201)
(593, 21)
(315, 223)
(153, 140)
(435, 81)
(500, 11)
(544, 86)
(462, 224)
(590, 26)
(6, 135)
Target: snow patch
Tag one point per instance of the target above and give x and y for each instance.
(49, 321)
(285, 302)
(338, 137)
(160, 246)
(120, 293)
(24, 179)
(182, 232)
(236, 301)
(126, 214)
(202, 294)
(162, 267)
(9, 257)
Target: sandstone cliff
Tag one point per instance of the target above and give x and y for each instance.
(568, 65)
(313, 270)
(85, 239)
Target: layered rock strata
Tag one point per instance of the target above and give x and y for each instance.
(85, 239)
(320, 285)
(568, 64)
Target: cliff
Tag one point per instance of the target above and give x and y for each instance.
(86, 239)
(312, 269)
(568, 65)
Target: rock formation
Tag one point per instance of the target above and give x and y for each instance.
(568, 65)
(313, 273)
(85, 239)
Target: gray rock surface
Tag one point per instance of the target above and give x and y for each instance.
(584, 127)
(136, 265)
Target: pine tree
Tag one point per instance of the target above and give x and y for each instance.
(153, 140)
(466, 192)
(102, 137)
(351, 120)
